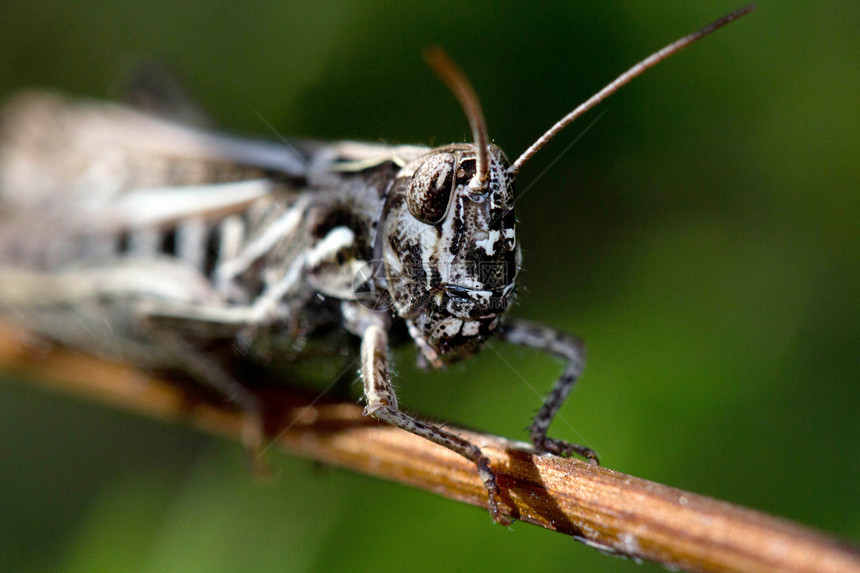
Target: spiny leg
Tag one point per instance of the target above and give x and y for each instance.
(564, 346)
(382, 404)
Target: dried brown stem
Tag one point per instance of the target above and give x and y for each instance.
(614, 512)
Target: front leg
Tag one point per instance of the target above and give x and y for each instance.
(564, 346)
(382, 405)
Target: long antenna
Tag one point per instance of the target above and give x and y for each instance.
(457, 82)
(623, 79)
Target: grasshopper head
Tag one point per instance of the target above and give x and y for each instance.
(450, 250)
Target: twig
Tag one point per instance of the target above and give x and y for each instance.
(611, 511)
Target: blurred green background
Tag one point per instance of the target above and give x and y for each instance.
(703, 237)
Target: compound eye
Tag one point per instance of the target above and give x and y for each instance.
(430, 190)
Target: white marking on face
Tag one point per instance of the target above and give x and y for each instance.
(481, 296)
(428, 247)
(489, 244)
(470, 328)
(450, 327)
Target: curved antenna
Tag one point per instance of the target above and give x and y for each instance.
(457, 82)
(623, 79)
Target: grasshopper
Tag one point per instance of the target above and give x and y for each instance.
(129, 235)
